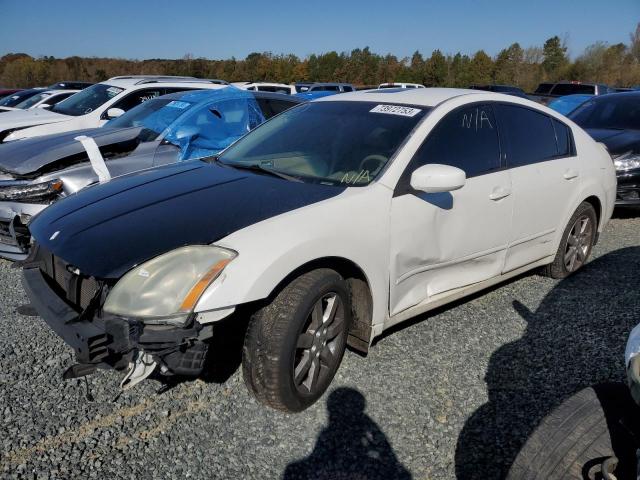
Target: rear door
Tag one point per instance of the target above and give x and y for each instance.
(545, 176)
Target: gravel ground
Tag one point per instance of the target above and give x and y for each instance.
(453, 395)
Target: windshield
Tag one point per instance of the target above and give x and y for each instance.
(31, 101)
(618, 112)
(16, 98)
(346, 143)
(87, 100)
(154, 115)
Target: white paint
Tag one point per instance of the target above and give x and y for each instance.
(422, 251)
(95, 157)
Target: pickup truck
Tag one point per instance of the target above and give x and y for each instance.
(547, 91)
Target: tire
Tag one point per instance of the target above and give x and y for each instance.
(585, 239)
(579, 436)
(294, 346)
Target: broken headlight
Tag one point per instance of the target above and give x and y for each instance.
(167, 288)
(627, 161)
(17, 190)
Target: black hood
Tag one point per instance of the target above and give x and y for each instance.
(30, 155)
(617, 141)
(107, 229)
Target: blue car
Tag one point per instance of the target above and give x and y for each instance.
(567, 104)
(319, 90)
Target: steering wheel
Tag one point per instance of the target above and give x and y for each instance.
(374, 159)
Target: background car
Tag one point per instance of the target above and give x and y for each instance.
(326, 225)
(5, 92)
(93, 106)
(167, 129)
(45, 99)
(508, 89)
(319, 90)
(568, 103)
(614, 120)
(400, 85)
(547, 91)
(269, 87)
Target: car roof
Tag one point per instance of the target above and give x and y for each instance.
(129, 81)
(428, 97)
(212, 94)
(327, 83)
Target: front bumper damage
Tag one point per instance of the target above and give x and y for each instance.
(70, 303)
(15, 239)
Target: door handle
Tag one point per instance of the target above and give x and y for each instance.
(499, 193)
(570, 174)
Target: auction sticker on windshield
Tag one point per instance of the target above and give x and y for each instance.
(177, 104)
(396, 110)
(113, 91)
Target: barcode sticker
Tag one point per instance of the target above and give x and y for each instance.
(396, 110)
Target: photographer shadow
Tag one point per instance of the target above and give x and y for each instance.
(576, 338)
(350, 447)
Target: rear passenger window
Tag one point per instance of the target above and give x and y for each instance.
(530, 135)
(563, 138)
(466, 138)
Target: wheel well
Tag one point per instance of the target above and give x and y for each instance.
(597, 206)
(361, 298)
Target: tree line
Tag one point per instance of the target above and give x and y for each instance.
(616, 65)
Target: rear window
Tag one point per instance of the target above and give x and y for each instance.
(562, 89)
(530, 135)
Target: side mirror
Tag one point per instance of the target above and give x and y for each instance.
(114, 113)
(435, 178)
(46, 106)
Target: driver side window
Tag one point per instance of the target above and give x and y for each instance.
(466, 138)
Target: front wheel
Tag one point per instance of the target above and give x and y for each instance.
(576, 244)
(294, 345)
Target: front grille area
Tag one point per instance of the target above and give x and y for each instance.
(77, 289)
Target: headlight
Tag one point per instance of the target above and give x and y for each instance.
(167, 288)
(29, 191)
(627, 161)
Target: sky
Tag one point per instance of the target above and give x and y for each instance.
(139, 29)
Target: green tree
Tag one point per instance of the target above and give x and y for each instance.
(436, 70)
(555, 57)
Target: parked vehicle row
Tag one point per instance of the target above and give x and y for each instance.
(323, 236)
(94, 105)
(176, 127)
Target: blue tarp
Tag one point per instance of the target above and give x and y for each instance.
(215, 119)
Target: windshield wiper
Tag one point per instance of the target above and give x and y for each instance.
(257, 167)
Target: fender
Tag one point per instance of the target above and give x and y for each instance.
(255, 273)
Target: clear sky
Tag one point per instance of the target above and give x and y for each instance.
(221, 29)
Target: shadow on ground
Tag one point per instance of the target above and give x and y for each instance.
(350, 447)
(576, 338)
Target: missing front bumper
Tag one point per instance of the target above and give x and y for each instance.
(113, 342)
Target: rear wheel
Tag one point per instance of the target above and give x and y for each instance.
(294, 345)
(588, 433)
(576, 244)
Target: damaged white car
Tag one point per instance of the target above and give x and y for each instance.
(325, 226)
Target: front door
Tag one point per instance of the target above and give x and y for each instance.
(443, 241)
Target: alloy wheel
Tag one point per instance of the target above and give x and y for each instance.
(578, 243)
(318, 347)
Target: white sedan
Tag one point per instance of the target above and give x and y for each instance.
(328, 224)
